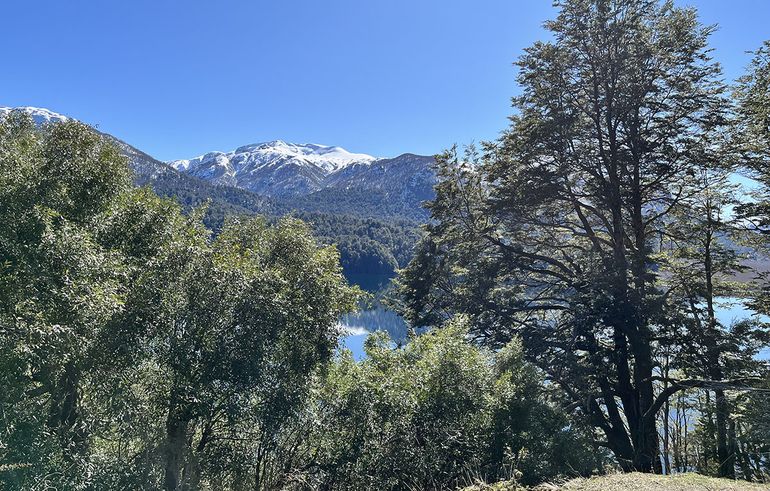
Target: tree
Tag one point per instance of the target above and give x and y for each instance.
(437, 413)
(550, 233)
(752, 133)
(236, 325)
(702, 258)
(58, 286)
(138, 351)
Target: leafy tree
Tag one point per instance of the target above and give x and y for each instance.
(701, 257)
(58, 287)
(550, 233)
(136, 349)
(235, 326)
(752, 132)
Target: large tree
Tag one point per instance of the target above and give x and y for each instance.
(752, 95)
(551, 234)
(704, 265)
(234, 327)
(58, 286)
(136, 350)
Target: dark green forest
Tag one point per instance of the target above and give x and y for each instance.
(566, 281)
(373, 236)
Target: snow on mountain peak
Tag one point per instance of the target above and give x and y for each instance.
(273, 167)
(250, 158)
(39, 114)
(328, 158)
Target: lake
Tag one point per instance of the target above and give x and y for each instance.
(375, 317)
(358, 326)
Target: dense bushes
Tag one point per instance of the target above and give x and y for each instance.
(437, 413)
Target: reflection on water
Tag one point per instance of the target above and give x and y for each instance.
(359, 325)
(377, 317)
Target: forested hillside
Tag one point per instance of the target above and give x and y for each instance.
(374, 227)
(374, 233)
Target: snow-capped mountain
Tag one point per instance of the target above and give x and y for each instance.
(39, 115)
(273, 168)
(279, 177)
(281, 169)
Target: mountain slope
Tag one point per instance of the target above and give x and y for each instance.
(322, 178)
(273, 168)
(39, 115)
(407, 179)
(374, 235)
(167, 181)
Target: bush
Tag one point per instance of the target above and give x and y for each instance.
(435, 414)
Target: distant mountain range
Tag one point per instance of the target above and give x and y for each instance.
(369, 207)
(281, 177)
(281, 169)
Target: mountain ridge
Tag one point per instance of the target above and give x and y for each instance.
(278, 168)
(278, 177)
(373, 227)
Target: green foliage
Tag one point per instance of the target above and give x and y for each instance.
(437, 413)
(366, 245)
(615, 167)
(133, 345)
(361, 203)
(369, 241)
(58, 287)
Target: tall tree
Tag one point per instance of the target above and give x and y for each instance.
(752, 132)
(58, 286)
(236, 326)
(702, 259)
(550, 235)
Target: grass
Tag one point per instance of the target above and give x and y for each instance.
(647, 482)
(635, 482)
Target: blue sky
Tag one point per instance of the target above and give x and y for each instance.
(179, 78)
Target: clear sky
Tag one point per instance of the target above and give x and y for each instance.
(179, 78)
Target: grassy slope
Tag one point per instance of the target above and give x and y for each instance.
(637, 482)
(647, 482)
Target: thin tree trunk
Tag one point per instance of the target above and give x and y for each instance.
(725, 458)
(666, 414)
(65, 412)
(177, 424)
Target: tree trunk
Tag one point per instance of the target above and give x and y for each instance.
(666, 426)
(64, 413)
(177, 424)
(725, 462)
(725, 457)
(741, 453)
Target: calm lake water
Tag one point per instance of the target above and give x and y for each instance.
(358, 326)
